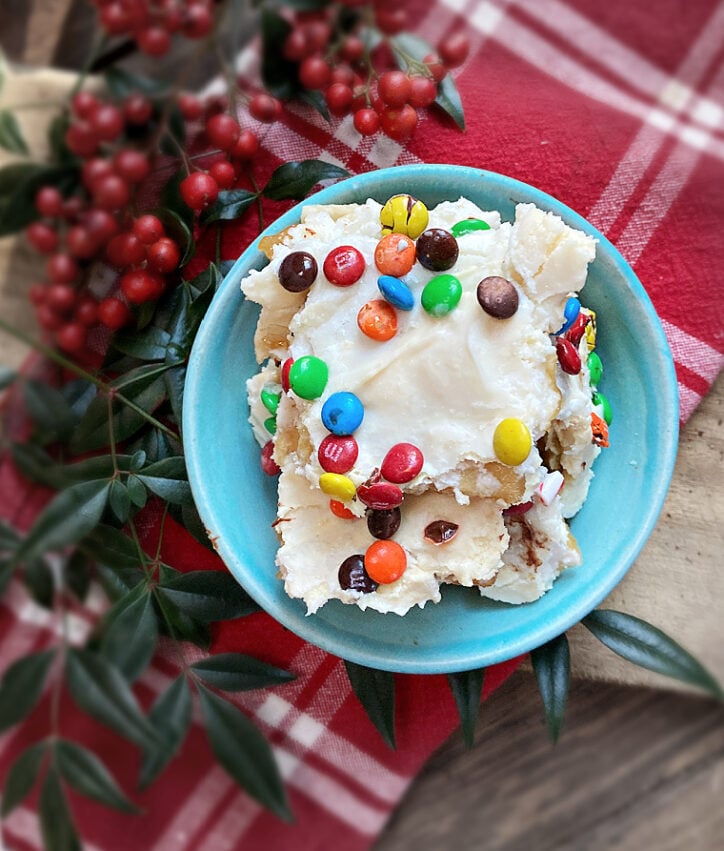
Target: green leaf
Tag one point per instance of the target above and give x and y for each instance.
(171, 717)
(168, 479)
(230, 205)
(551, 664)
(122, 83)
(295, 179)
(130, 632)
(278, 74)
(243, 752)
(9, 538)
(467, 687)
(448, 99)
(210, 278)
(208, 595)
(52, 417)
(57, 129)
(66, 519)
(77, 574)
(38, 579)
(149, 345)
(136, 491)
(18, 186)
(175, 380)
(175, 129)
(112, 548)
(22, 776)
(179, 625)
(316, 99)
(87, 775)
(238, 672)
(11, 137)
(100, 689)
(119, 500)
(21, 687)
(375, 690)
(191, 521)
(647, 646)
(38, 466)
(56, 821)
(7, 376)
(180, 229)
(172, 200)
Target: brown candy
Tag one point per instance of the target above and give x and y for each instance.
(352, 575)
(383, 524)
(441, 531)
(298, 271)
(437, 249)
(498, 297)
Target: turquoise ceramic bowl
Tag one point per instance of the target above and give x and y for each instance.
(237, 500)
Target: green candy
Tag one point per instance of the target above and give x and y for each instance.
(308, 377)
(270, 400)
(441, 295)
(600, 400)
(595, 369)
(270, 424)
(468, 226)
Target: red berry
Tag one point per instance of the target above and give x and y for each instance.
(107, 122)
(435, 67)
(163, 256)
(81, 243)
(352, 49)
(113, 313)
(391, 21)
(215, 104)
(84, 104)
(314, 73)
(399, 124)
(72, 208)
(198, 20)
(61, 297)
(454, 49)
(114, 19)
(265, 108)
(48, 318)
(101, 225)
(86, 311)
(49, 202)
(223, 173)
(191, 107)
(199, 190)
(133, 166)
(71, 337)
(111, 192)
(137, 109)
(317, 33)
(171, 15)
(423, 91)
(394, 88)
(246, 146)
(62, 269)
(140, 286)
(37, 293)
(342, 74)
(42, 237)
(93, 170)
(366, 121)
(339, 98)
(125, 250)
(153, 41)
(223, 131)
(148, 228)
(81, 139)
(296, 46)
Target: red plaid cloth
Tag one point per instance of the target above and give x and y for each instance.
(616, 109)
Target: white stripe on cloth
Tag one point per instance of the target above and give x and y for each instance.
(25, 825)
(693, 353)
(688, 400)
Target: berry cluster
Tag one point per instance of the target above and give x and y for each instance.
(152, 23)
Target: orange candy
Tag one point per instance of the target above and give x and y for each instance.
(395, 254)
(339, 509)
(385, 561)
(378, 320)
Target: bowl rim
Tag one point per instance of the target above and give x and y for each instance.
(348, 646)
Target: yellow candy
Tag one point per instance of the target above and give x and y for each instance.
(591, 329)
(511, 441)
(404, 214)
(337, 485)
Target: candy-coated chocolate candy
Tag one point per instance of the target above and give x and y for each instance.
(404, 214)
(437, 249)
(402, 463)
(337, 454)
(352, 575)
(377, 320)
(383, 524)
(339, 509)
(382, 496)
(395, 254)
(270, 400)
(298, 271)
(396, 292)
(497, 296)
(440, 531)
(340, 487)
(600, 401)
(550, 487)
(570, 312)
(284, 374)
(511, 441)
(441, 295)
(342, 413)
(595, 368)
(578, 328)
(599, 430)
(468, 226)
(268, 464)
(568, 356)
(344, 266)
(270, 424)
(308, 377)
(385, 561)
(591, 329)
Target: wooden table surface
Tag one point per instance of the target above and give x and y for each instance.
(637, 768)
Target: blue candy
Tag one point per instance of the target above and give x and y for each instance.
(570, 312)
(342, 413)
(396, 292)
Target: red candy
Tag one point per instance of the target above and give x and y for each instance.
(268, 464)
(381, 496)
(578, 328)
(339, 509)
(344, 266)
(520, 508)
(568, 356)
(286, 366)
(337, 454)
(402, 463)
